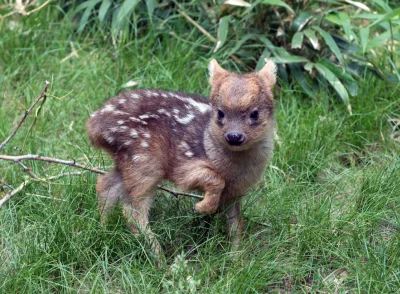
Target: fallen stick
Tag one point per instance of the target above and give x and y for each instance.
(42, 96)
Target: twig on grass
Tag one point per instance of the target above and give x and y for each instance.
(174, 193)
(72, 163)
(42, 96)
(31, 180)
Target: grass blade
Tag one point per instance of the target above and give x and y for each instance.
(105, 5)
(126, 8)
(388, 16)
(278, 3)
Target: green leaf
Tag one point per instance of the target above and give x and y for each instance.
(85, 17)
(151, 5)
(313, 38)
(301, 78)
(105, 5)
(222, 31)
(388, 16)
(301, 21)
(331, 43)
(364, 36)
(345, 23)
(383, 5)
(278, 3)
(348, 81)
(126, 9)
(297, 40)
(369, 16)
(288, 59)
(334, 81)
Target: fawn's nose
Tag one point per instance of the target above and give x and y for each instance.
(234, 138)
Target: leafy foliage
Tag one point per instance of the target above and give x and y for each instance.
(319, 44)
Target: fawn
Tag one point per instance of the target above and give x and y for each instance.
(219, 145)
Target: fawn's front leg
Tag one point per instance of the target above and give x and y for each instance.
(231, 207)
(200, 175)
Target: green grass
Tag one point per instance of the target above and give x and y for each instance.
(325, 219)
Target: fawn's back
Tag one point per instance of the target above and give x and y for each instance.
(163, 124)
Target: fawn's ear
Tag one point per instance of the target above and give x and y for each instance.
(216, 72)
(268, 73)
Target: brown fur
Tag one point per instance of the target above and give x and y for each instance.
(154, 135)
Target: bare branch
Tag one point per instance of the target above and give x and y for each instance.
(42, 96)
(72, 163)
(27, 169)
(13, 192)
(50, 159)
(27, 182)
(179, 193)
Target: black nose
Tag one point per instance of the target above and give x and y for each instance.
(234, 138)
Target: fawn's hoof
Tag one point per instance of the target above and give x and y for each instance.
(205, 208)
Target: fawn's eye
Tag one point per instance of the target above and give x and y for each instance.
(220, 114)
(254, 115)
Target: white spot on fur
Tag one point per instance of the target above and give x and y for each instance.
(134, 133)
(202, 107)
(144, 144)
(185, 120)
(146, 135)
(144, 116)
(93, 114)
(175, 110)
(109, 138)
(135, 96)
(123, 127)
(122, 101)
(135, 158)
(127, 143)
(154, 116)
(163, 111)
(155, 94)
(108, 108)
(183, 145)
(114, 129)
(143, 122)
(134, 119)
(120, 122)
(164, 95)
(120, 112)
(189, 153)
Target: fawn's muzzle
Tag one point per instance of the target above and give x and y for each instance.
(234, 138)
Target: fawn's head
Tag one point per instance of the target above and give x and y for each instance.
(243, 105)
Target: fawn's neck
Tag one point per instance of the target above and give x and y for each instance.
(224, 158)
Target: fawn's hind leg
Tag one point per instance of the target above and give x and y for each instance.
(110, 189)
(140, 183)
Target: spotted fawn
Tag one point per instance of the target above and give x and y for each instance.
(219, 145)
